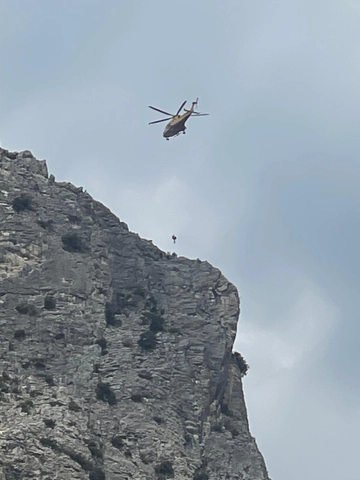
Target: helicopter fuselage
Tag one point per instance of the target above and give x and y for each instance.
(176, 125)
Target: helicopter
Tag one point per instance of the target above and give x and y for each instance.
(177, 122)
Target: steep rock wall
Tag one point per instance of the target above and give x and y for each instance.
(115, 358)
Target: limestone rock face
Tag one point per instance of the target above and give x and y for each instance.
(115, 358)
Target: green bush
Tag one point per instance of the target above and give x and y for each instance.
(26, 406)
(49, 379)
(136, 397)
(95, 449)
(48, 442)
(49, 423)
(139, 291)
(164, 470)
(200, 474)
(46, 224)
(117, 441)
(105, 393)
(39, 364)
(26, 309)
(73, 243)
(241, 363)
(49, 302)
(79, 458)
(225, 410)
(19, 334)
(21, 203)
(216, 428)
(97, 474)
(148, 340)
(151, 304)
(110, 318)
(157, 324)
(102, 344)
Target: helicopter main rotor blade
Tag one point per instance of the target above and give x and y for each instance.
(181, 107)
(159, 121)
(162, 111)
(201, 114)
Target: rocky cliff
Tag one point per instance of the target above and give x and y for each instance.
(115, 358)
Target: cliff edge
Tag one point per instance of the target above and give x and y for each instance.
(115, 357)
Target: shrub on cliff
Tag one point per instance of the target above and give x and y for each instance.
(148, 340)
(21, 203)
(73, 243)
(241, 363)
(49, 302)
(164, 470)
(105, 393)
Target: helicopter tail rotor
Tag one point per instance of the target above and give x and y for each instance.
(193, 111)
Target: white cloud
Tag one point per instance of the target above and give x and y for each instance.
(283, 358)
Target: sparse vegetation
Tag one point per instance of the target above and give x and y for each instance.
(49, 379)
(157, 324)
(79, 458)
(26, 309)
(124, 301)
(22, 203)
(148, 340)
(102, 344)
(200, 474)
(164, 470)
(39, 364)
(174, 330)
(241, 363)
(73, 243)
(151, 304)
(49, 302)
(19, 334)
(136, 397)
(95, 449)
(110, 312)
(74, 219)
(49, 423)
(97, 474)
(225, 410)
(117, 441)
(105, 393)
(139, 291)
(26, 406)
(35, 393)
(216, 428)
(4, 387)
(46, 224)
(48, 442)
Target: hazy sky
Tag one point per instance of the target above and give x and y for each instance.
(266, 188)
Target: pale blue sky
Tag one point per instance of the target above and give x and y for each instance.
(266, 188)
